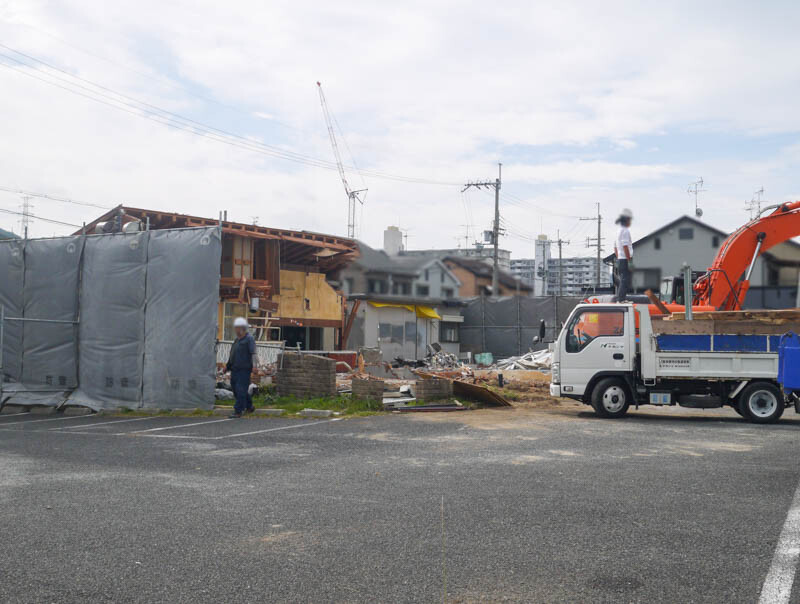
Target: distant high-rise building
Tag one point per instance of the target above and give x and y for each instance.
(533, 271)
(578, 276)
(393, 240)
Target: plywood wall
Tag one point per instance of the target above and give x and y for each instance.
(307, 296)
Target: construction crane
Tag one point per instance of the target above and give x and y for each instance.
(353, 196)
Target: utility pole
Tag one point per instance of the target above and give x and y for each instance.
(26, 214)
(598, 242)
(560, 242)
(496, 225)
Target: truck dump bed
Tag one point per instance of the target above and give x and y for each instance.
(714, 345)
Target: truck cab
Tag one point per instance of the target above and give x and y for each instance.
(598, 341)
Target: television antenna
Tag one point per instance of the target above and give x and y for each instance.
(754, 205)
(695, 188)
(353, 196)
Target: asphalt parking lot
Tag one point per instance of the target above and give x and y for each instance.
(523, 505)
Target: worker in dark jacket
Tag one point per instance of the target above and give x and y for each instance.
(240, 364)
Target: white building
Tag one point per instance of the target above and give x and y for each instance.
(578, 276)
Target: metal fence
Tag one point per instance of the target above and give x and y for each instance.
(506, 326)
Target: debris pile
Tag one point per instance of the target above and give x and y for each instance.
(541, 359)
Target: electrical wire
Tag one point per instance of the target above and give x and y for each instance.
(154, 113)
(69, 224)
(160, 79)
(55, 198)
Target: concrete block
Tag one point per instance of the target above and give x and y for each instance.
(43, 410)
(270, 411)
(316, 413)
(12, 409)
(74, 411)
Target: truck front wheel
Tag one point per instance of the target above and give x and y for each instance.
(761, 402)
(610, 398)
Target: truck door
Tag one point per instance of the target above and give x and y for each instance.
(596, 339)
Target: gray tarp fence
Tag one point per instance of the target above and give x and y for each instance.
(145, 312)
(506, 326)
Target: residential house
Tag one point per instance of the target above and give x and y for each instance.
(484, 253)
(400, 304)
(377, 273)
(662, 253)
(277, 278)
(403, 326)
(476, 279)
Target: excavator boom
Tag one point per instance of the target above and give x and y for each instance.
(725, 285)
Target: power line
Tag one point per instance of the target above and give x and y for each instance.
(55, 198)
(69, 224)
(160, 79)
(154, 113)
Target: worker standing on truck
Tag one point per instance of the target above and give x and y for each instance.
(623, 250)
(240, 364)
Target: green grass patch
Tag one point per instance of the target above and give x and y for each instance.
(345, 405)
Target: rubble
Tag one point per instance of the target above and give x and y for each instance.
(222, 394)
(541, 359)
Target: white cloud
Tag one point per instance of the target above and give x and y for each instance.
(440, 90)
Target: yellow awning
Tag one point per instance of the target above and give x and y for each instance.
(426, 312)
(392, 305)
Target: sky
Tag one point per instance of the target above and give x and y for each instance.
(618, 103)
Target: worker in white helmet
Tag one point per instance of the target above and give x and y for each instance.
(623, 250)
(240, 364)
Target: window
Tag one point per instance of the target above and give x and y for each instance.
(588, 325)
(349, 285)
(448, 332)
(405, 289)
(447, 292)
(715, 241)
(646, 278)
(657, 243)
(686, 233)
(384, 331)
(423, 290)
(377, 286)
(426, 274)
(411, 331)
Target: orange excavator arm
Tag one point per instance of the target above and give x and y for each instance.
(725, 285)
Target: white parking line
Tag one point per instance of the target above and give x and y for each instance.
(302, 425)
(216, 421)
(777, 588)
(113, 421)
(50, 419)
(297, 425)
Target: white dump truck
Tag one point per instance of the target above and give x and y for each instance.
(611, 356)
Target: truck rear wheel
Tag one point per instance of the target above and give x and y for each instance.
(761, 402)
(610, 398)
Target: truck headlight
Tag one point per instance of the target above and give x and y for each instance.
(555, 373)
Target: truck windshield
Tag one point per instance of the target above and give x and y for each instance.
(590, 324)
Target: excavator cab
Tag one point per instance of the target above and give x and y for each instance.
(672, 288)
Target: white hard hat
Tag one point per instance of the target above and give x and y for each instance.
(626, 213)
(240, 322)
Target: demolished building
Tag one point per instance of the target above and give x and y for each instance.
(277, 278)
